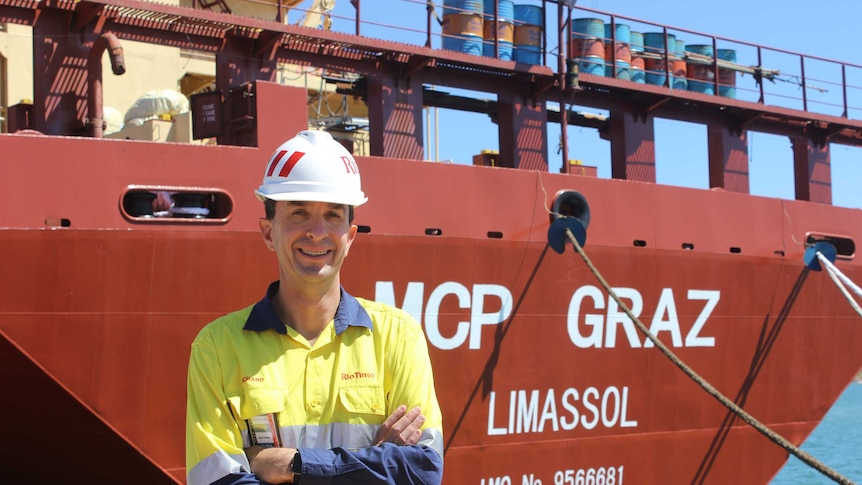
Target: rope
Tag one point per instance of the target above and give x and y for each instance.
(433, 9)
(839, 278)
(732, 406)
(832, 268)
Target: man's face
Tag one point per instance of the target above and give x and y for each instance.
(311, 240)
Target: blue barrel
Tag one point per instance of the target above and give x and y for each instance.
(654, 42)
(588, 27)
(624, 70)
(637, 41)
(592, 65)
(463, 26)
(505, 29)
(679, 48)
(700, 75)
(506, 9)
(700, 87)
(463, 6)
(619, 52)
(656, 78)
(505, 49)
(727, 77)
(588, 38)
(702, 49)
(528, 34)
(623, 31)
(637, 72)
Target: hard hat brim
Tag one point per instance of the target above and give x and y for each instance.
(312, 197)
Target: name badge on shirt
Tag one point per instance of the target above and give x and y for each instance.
(263, 430)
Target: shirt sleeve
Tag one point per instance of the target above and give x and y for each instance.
(214, 447)
(412, 380)
(384, 464)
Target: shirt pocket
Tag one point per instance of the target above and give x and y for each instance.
(255, 402)
(363, 400)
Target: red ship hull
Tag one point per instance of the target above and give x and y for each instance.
(541, 377)
(97, 317)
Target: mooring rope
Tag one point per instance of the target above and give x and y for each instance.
(840, 281)
(732, 406)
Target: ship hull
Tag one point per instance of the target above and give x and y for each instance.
(540, 377)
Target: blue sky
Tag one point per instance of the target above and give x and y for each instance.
(827, 29)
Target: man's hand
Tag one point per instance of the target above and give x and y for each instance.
(271, 465)
(401, 428)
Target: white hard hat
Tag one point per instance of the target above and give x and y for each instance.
(312, 167)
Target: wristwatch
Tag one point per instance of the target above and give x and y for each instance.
(296, 467)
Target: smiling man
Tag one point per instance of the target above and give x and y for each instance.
(312, 385)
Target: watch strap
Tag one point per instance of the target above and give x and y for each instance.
(296, 467)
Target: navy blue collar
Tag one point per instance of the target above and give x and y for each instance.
(263, 316)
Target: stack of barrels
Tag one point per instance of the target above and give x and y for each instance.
(664, 55)
(660, 58)
(588, 45)
(600, 49)
(701, 77)
(468, 26)
(505, 28)
(701, 72)
(528, 34)
(607, 49)
(614, 50)
(618, 38)
(463, 26)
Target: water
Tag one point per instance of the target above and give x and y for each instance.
(835, 442)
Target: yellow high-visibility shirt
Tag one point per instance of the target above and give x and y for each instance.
(328, 399)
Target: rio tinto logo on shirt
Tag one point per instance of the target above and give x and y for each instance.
(349, 376)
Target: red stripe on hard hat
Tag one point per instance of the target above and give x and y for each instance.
(288, 165)
(274, 162)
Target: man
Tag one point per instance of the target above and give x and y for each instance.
(311, 385)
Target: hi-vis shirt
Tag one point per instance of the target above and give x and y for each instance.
(328, 400)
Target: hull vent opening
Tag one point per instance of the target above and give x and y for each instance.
(58, 222)
(845, 247)
(182, 205)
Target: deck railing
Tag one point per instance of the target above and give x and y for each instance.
(760, 74)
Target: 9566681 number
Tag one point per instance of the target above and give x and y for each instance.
(590, 476)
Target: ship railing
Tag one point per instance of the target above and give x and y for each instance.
(764, 75)
(797, 81)
(768, 76)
